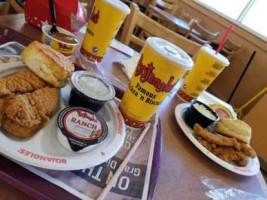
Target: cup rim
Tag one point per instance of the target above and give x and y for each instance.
(45, 32)
(194, 101)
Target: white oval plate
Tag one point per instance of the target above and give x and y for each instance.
(43, 149)
(252, 167)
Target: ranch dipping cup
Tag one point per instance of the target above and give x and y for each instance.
(160, 67)
(104, 23)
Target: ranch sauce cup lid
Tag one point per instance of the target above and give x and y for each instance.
(80, 128)
(92, 86)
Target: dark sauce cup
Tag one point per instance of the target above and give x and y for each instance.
(192, 115)
(90, 91)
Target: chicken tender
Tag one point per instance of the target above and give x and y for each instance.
(242, 163)
(230, 154)
(225, 153)
(216, 139)
(26, 113)
(22, 82)
(208, 145)
(227, 149)
(248, 150)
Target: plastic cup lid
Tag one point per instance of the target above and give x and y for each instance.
(170, 52)
(92, 86)
(219, 57)
(119, 6)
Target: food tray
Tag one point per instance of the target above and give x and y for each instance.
(33, 185)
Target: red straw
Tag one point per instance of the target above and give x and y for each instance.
(229, 30)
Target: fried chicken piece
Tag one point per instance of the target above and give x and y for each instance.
(26, 113)
(21, 82)
(228, 153)
(242, 163)
(225, 153)
(208, 145)
(227, 149)
(216, 139)
(248, 150)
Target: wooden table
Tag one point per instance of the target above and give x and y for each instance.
(182, 164)
(179, 23)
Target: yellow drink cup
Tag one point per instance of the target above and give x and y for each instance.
(160, 67)
(105, 21)
(208, 66)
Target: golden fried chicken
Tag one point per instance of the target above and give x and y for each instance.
(25, 113)
(208, 145)
(242, 163)
(21, 82)
(216, 139)
(230, 154)
(246, 149)
(225, 153)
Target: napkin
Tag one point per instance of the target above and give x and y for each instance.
(129, 65)
(115, 44)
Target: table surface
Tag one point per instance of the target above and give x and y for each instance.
(182, 164)
(171, 18)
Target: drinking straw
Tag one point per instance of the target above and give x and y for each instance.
(114, 178)
(226, 35)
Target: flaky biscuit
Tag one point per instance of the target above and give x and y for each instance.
(48, 64)
(234, 128)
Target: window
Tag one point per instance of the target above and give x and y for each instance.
(231, 8)
(249, 13)
(256, 17)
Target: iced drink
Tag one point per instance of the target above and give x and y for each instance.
(105, 21)
(207, 67)
(160, 67)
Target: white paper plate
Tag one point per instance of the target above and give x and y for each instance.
(252, 167)
(43, 150)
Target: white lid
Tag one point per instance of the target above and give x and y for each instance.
(92, 86)
(119, 5)
(170, 52)
(222, 59)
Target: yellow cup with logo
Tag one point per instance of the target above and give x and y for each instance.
(105, 21)
(208, 66)
(160, 67)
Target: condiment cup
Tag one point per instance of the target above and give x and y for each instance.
(90, 91)
(64, 47)
(193, 115)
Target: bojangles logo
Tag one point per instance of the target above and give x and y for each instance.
(95, 16)
(146, 75)
(64, 46)
(86, 116)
